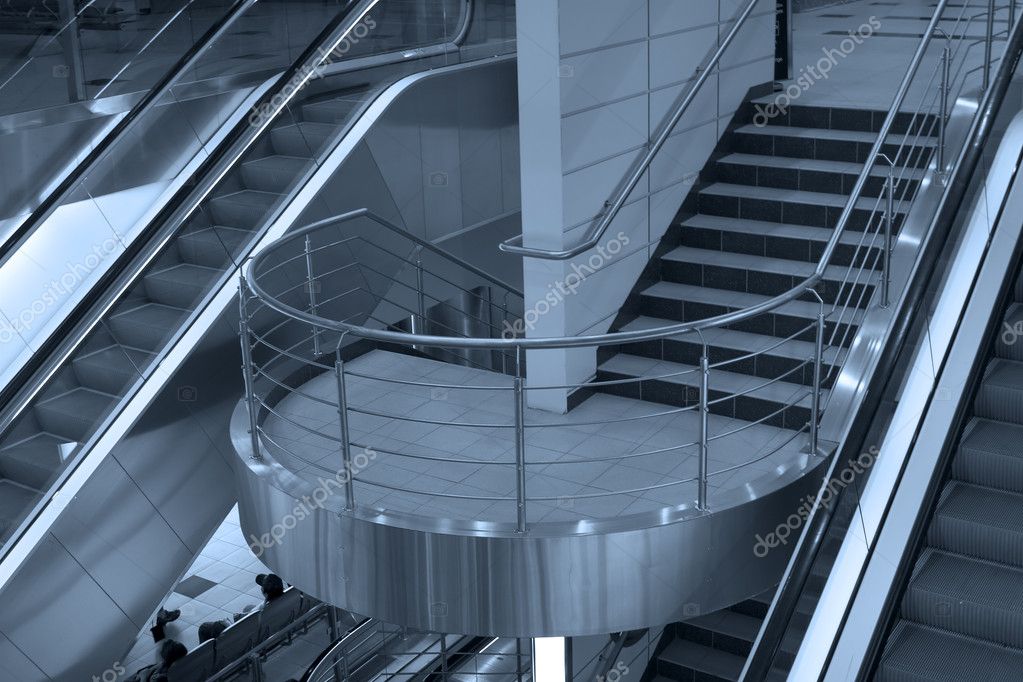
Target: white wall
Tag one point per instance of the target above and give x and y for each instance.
(596, 78)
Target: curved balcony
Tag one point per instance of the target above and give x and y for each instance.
(393, 465)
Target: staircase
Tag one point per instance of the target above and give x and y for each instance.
(961, 616)
(710, 648)
(756, 226)
(88, 388)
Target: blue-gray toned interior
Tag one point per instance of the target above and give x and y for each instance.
(511, 340)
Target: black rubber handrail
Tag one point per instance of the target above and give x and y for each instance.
(169, 79)
(819, 523)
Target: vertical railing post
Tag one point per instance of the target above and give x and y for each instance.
(701, 500)
(247, 368)
(989, 43)
(946, 74)
(420, 290)
(310, 285)
(818, 367)
(346, 445)
(1012, 18)
(889, 229)
(520, 443)
(444, 657)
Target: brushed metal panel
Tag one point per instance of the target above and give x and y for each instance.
(16, 666)
(561, 579)
(59, 617)
(116, 534)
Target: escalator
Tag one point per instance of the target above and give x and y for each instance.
(127, 389)
(961, 613)
(913, 568)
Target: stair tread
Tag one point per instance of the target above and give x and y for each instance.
(966, 579)
(185, 274)
(994, 437)
(832, 134)
(746, 342)
(797, 196)
(81, 402)
(728, 298)
(14, 497)
(1000, 509)
(934, 653)
(764, 227)
(1004, 373)
(730, 623)
(153, 314)
(719, 380)
(703, 658)
(819, 165)
(248, 197)
(115, 354)
(743, 261)
(283, 162)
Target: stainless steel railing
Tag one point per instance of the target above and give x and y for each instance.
(518, 427)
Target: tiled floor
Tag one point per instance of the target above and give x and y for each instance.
(589, 464)
(869, 75)
(220, 583)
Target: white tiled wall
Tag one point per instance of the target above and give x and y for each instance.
(609, 71)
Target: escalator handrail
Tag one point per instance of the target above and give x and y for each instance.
(152, 98)
(818, 524)
(32, 377)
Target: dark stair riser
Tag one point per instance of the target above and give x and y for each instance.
(746, 407)
(862, 120)
(777, 324)
(771, 246)
(765, 365)
(763, 283)
(915, 154)
(795, 213)
(806, 180)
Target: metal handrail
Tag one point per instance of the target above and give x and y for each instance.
(613, 206)
(198, 49)
(852, 293)
(817, 526)
(88, 315)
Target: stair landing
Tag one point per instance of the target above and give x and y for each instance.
(610, 457)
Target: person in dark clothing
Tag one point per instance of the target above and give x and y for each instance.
(211, 630)
(163, 616)
(271, 585)
(170, 652)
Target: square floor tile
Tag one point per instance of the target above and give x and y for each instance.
(193, 586)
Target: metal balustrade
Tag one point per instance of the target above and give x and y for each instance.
(275, 369)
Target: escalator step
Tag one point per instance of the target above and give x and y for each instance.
(33, 461)
(989, 455)
(725, 630)
(247, 209)
(336, 110)
(73, 414)
(14, 500)
(979, 522)
(181, 285)
(1001, 392)
(110, 369)
(274, 173)
(1009, 339)
(145, 326)
(682, 660)
(213, 247)
(301, 139)
(917, 653)
(969, 596)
